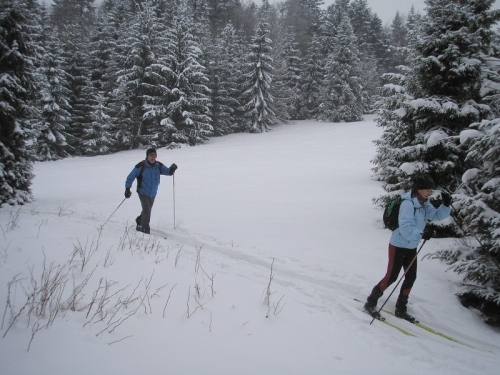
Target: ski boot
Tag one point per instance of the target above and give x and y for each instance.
(371, 303)
(404, 315)
(401, 309)
(372, 310)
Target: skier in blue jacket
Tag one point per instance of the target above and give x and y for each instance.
(414, 212)
(148, 174)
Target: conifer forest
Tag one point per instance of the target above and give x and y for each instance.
(86, 78)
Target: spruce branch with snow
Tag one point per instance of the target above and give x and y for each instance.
(478, 204)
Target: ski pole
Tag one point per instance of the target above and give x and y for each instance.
(173, 191)
(466, 224)
(404, 274)
(113, 213)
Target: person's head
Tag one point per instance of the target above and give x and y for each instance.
(423, 184)
(151, 155)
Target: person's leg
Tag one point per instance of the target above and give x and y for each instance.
(151, 202)
(147, 205)
(394, 265)
(372, 299)
(410, 277)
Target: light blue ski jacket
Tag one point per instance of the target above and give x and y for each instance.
(150, 177)
(412, 219)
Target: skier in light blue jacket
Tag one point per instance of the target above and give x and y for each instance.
(148, 174)
(414, 212)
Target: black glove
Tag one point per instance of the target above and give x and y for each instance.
(446, 198)
(128, 193)
(173, 167)
(428, 233)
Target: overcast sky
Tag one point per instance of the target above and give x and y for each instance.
(386, 9)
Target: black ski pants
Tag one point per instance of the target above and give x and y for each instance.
(400, 258)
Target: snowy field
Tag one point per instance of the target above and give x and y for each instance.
(274, 235)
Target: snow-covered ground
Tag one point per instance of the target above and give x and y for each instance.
(285, 215)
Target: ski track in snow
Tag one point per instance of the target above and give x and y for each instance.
(330, 292)
(326, 284)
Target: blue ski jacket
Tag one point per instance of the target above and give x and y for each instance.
(150, 177)
(412, 220)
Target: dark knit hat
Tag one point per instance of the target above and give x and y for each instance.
(423, 182)
(150, 151)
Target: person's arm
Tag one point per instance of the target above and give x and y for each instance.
(131, 177)
(168, 171)
(433, 213)
(164, 170)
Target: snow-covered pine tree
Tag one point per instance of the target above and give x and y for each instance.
(478, 202)
(118, 19)
(439, 96)
(361, 17)
(158, 77)
(380, 43)
(54, 93)
(200, 14)
(477, 205)
(394, 93)
(136, 82)
(235, 58)
(371, 79)
(372, 40)
(245, 19)
(412, 21)
(342, 92)
(311, 11)
(82, 96)
(257, 101)
(370, 37)
(241, 55)
(223, 72)
(398, 43)
(221, 13)
(65, 12)
(74, 21)
(313, 73)
(326, 31)
(189, 108)
(292, 77)
(103, 46)
(280, 90)
(302, 17)
(99, 136)
(17, 110)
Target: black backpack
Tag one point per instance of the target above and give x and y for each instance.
(391, 213)
(142, 165)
